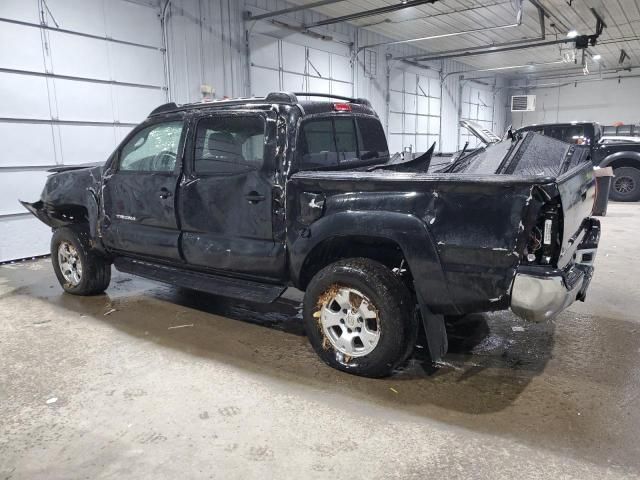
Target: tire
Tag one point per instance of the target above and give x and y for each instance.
(625, 185)
(72, 244)
(375, 296)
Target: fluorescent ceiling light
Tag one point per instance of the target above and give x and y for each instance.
(572, 34)
(597, 56)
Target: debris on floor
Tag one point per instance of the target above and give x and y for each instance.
(52, 400)
(109, 312)
(517, 329)
(180, 326)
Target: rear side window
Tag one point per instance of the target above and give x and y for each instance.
(317, 144)
(371, 138)
(229, 144)
(335, 141)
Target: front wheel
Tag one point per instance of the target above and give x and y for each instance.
(79, 269)
(625, 186)
(360, 318)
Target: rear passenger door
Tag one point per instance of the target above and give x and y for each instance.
(226, 201)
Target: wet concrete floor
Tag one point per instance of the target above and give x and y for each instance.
(108, 386)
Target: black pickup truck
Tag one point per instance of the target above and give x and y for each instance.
(244, 198)
(620, 153)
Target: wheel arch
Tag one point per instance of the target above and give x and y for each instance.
(622, 159)
(388, 237)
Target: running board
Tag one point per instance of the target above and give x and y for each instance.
(215, 284)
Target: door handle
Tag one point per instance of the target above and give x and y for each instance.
(165, 193)
(254, 197)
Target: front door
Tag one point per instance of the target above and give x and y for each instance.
(139, 192)
(225, 202)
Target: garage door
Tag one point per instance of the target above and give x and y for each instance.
(414, 111)
(70, 93)
(477, 105)
(279, 65)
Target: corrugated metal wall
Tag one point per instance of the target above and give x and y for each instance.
(207, 46)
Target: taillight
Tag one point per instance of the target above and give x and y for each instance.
(544, 242)
(342, 107)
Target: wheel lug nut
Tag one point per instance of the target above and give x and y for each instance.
(358, 329)
(348, 330)
(344, 310)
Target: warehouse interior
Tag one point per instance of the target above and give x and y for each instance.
(150, 379)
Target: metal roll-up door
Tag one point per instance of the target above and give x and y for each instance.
(84, 75)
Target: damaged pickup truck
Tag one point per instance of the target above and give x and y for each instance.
(244, 198)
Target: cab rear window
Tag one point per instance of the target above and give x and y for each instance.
(341, 141)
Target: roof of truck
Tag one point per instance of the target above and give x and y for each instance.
(333, 103)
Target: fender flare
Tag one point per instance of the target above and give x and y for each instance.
(631, 155)
(415, 240)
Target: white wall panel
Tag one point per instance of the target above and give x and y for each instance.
(136, 65)
(83, 101)
(293, 57)
(25, 144)
(86, 58)
(583, 102)
(86, 143)
(321, 62)
(20, 10)
(322, 85)
(134, 23)
(134, 104)
(84, 16)
(264, 81)
(23, 96)
(28, 56)
(264, 51)
(293, 83)
(395, 122)
(340, 88)
(121, 133)
(341, 68)
(16, 186)
(23, 237)
(395, 142)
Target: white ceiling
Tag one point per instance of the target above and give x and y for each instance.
(447, 16)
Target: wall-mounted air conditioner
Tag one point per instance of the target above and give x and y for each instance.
(523, 103)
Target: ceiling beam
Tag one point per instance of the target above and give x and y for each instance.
(369, 13)
(473, 51)
(297, 8)
(454, 53)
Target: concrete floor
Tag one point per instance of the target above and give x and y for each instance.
(229, 399)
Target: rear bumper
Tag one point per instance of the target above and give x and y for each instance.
(540, 293)
(542, 298)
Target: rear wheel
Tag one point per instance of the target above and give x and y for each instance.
(360, 318)
(79, 269)
(626, 185)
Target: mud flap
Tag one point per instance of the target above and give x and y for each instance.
(436, 333)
